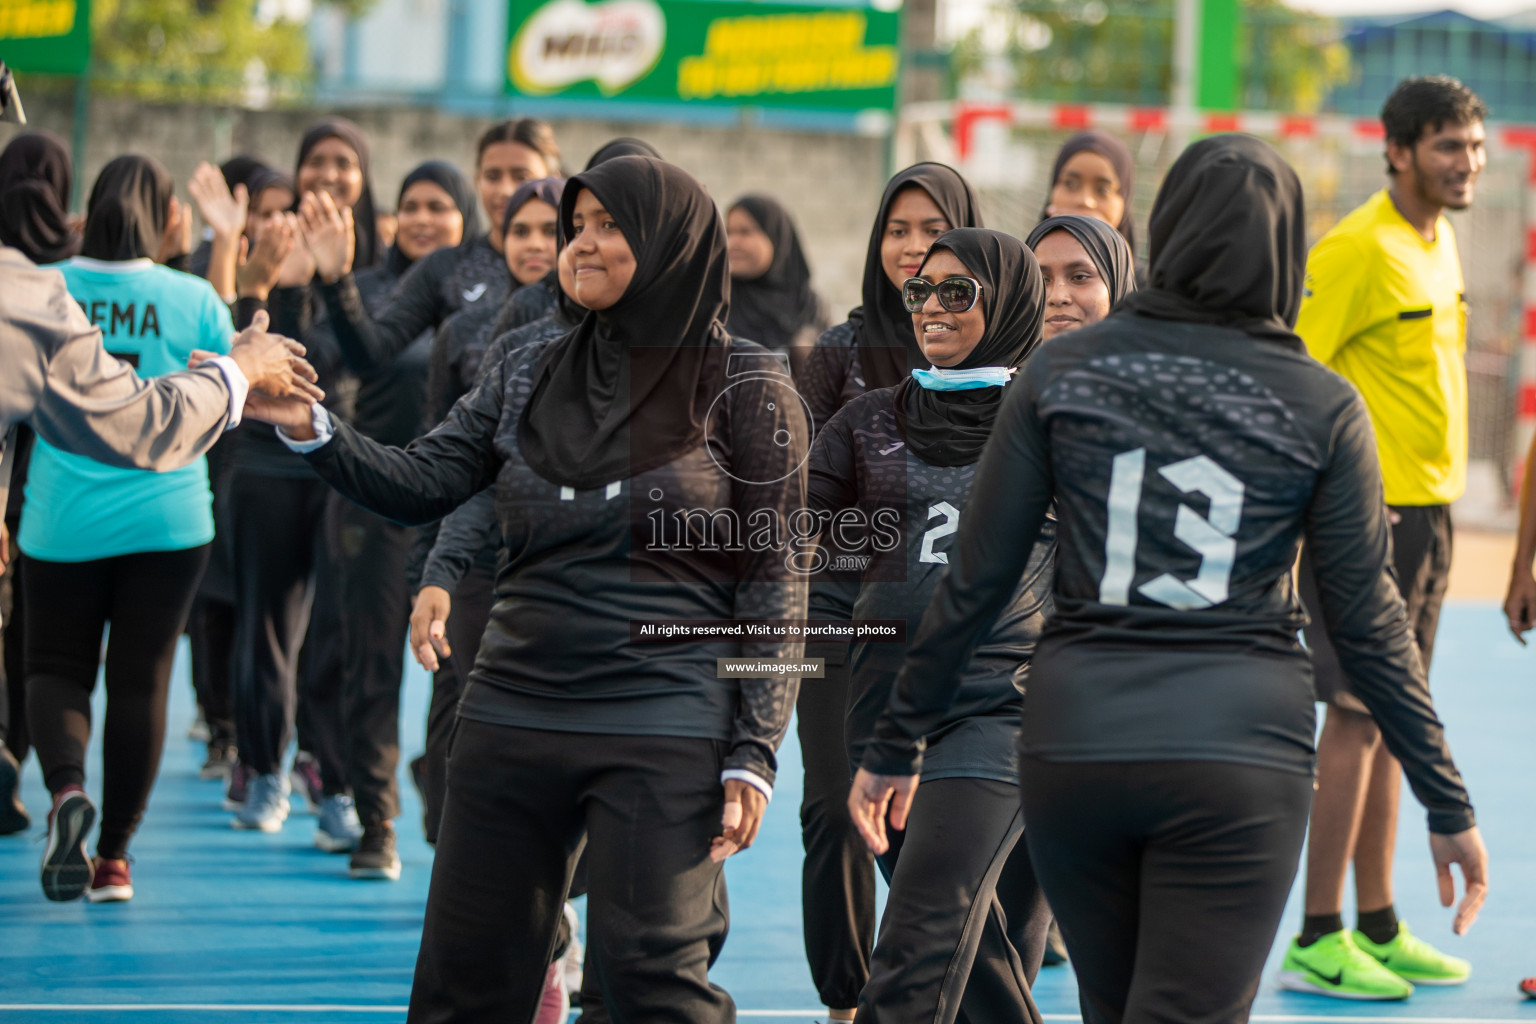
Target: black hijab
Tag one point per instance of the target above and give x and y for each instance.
(126, 215)
(773, 308)
(1228, 240)
(365, 223)
(949, 428)
(35, 178)
(650, 366)
(1108, 249)
(262, 178)
(622, 146)
(448, 178)
(549, 190)
(882, 327)
(1119, 157)
(237, 170)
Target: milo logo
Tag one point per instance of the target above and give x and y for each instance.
(614, 44)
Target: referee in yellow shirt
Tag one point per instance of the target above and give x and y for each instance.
(1385, 307)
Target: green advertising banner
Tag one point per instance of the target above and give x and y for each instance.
(729, 52)
(46, 36)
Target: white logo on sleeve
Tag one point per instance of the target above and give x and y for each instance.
(472, 294)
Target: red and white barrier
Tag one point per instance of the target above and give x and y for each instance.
(1525, 406)
(927, 120)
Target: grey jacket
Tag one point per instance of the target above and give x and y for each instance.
(55, 374)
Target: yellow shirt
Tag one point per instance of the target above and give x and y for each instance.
(1387, 310)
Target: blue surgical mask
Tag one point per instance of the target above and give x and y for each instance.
(937, 379)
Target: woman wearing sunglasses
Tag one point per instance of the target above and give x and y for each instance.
(964, 927)
(874, 348)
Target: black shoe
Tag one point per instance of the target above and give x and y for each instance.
(1055, 948)
(222, 757)
(375, 856)
(13, 813)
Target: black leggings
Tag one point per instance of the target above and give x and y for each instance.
(519, 803)
(964, 927)
(146, 598)
(1168, 879)
(837, 887)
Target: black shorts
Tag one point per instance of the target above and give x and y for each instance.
(1421, 558)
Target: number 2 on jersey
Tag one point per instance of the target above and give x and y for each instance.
(950, 524)
(1212, 536)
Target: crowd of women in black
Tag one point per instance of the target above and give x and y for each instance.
(511, 409)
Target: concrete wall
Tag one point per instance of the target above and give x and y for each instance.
(832, 183)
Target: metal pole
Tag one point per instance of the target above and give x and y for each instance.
(1186, 29)
(79, 126)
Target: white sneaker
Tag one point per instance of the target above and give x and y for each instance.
(575, 953)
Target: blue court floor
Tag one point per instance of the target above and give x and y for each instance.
(239, 927)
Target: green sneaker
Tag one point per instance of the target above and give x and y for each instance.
(1411, 958)
(1335, 966)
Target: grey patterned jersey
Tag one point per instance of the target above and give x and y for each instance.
(587, 568)
(860, 462)
(1187, 463)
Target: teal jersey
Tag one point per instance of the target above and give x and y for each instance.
(78, 509)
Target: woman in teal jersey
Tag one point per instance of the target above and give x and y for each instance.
(123, 546)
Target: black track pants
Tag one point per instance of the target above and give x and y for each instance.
(1168, 879)
(519, 802)
(276, 523)
(368, 554)
(944, 952)
(837, 888)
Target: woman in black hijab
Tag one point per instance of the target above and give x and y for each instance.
(772, 301)
(1189, 444)
(277, 513)
(366, 556)
(908, 454)
(1093, 176)
(535, 297)
(572, 724)
(1087, 266)
(35, 177)
(622, 146)
(874, 348)
(471, 275)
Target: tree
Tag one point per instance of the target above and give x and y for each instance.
(199, 50)
(1120, 51)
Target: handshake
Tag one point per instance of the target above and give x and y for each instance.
(283, 384)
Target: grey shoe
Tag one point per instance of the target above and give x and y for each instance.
(266, 805)
(375, 856)
(338, 829)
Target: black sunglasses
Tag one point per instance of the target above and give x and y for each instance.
(956, 294)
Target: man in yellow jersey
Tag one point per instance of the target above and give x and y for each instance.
(1385, 307)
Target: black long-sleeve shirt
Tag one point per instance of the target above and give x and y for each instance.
(830, 379)
(437, 285)
(584, 565)
(1187, 464)
(970, 719)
